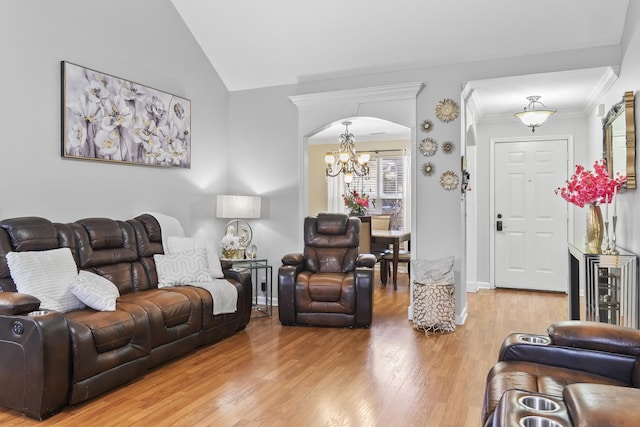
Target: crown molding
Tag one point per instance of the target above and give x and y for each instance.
(370, 94)
(605, 83)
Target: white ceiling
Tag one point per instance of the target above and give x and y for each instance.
(258, 43)
(363, 129)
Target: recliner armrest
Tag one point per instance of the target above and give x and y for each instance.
(595, 336)
(613, 365)
(287, 275)
(366, 260)
(17, 303)
(292, 259)
(602, 405)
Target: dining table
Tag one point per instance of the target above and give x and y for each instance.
(392, 237)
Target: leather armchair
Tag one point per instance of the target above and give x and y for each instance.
(331, 283)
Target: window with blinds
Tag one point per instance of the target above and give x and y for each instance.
(385, 186)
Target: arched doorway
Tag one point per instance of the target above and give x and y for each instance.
(394, 103)
(388, 184)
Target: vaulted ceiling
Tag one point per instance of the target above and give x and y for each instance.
(257, 43)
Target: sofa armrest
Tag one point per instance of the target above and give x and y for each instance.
(35, 356)
(17, 303)
(595, 336)
(602, 405)
(245, 291)
(539, 349)
(226, 264)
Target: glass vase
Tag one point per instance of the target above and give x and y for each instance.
(595, 229)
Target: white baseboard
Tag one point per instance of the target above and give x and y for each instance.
(476, 286)
(460, 319)
(484, 285)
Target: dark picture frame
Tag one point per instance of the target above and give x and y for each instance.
(107, 118)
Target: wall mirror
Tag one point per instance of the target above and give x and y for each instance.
(620, 139)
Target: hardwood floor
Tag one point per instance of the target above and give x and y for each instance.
(269, 375)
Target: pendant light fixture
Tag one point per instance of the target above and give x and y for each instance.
(534, 114)
(345, 160)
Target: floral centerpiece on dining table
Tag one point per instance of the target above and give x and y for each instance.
(592, 188)
(356, 203)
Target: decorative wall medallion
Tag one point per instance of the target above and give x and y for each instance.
(448, 147)
(428, 147)
(447, 110)
(449, 180)
(428, 168)
(427, 126)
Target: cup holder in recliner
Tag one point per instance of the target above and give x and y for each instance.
(535, 339)
(539, 403)
(536, 421)
(38, 313)
(529, 409)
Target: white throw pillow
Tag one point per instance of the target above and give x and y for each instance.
(182, 268)
(46, 275)
(432, 271)
(179, 244)
(95, 291)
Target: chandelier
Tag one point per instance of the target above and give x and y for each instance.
(345, 160)
(533, 117)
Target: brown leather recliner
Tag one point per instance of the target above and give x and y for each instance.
(581, 373)
(331, 283)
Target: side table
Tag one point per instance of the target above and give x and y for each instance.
(611, 287)
(261, 279)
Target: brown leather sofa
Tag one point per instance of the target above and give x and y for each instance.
(331, 283)
(580, 374)
(50, 359)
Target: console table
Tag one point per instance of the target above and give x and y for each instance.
(610, 283)
(262, 286)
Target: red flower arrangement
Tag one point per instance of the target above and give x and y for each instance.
(586, 187)
(357, 203)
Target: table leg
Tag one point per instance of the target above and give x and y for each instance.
(396, 248)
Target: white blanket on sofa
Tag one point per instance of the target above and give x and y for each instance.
(169, 226)
(223, 293)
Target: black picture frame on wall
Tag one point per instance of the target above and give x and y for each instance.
(107, 118)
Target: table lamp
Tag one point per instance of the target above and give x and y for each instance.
(238, 208)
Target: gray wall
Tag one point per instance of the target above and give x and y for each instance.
(144, 41)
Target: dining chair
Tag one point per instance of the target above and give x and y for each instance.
(380, 222)
(365, 235)
(404, 256)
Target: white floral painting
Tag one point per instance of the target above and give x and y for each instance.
(111, 119)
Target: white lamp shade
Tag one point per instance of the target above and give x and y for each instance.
(534, 118)
(329, 158)
(238, 206)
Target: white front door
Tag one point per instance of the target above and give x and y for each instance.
(531, 247)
